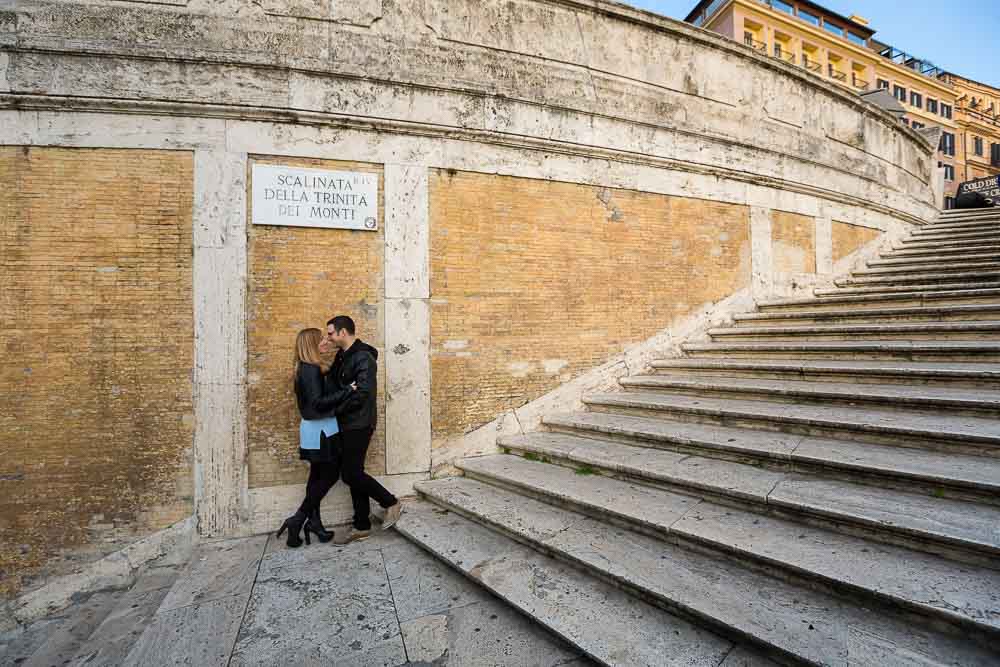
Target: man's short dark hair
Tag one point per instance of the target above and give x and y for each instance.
(342, 322)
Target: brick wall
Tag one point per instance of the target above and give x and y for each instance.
(301, 277)
(96, 333)
(793, 239)
(847, 238)
(534, 282)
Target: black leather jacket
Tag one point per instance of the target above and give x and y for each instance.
(310, 394)
(358, 364)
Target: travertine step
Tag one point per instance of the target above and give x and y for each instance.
(949, 528)
(936, 269)
(944, 253)
(948, 399)
(608, 624)
(798, 623)
(915, 470)
(112, 641)
(955, 350)
(97, 629)
(944, 313)
(963, 220)
(973, 213)
(896, 372)
(969, 434)
(921, 263)
(796, 551)
(943, 286)
(954, 330)
(911, 298)
(919, 277)
(942, 244)
(988, 235)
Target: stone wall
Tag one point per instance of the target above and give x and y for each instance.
(95, 326)
(634, 143)
(535, 282)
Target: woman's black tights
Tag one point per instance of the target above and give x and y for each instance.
(322, 477)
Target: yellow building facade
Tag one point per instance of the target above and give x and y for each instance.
(843, 51)
(977, 110)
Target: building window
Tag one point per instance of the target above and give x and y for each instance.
(949, 203)
(917, 126)
(783, 7)
(906, 121)
(949, 171)
(977, 144)
(808, 17)
(857, 39)
(883, 84)
(916, 99)
(899, 93)
(947, 145)
(945, 110)
(835, 29)
(995, 155)
(932, 105)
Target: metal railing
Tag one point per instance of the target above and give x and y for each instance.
(811, 65)
(859, 83)
(781, 54)
(836, 74)
(754, 44)
(979, 115)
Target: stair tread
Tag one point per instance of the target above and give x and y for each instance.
(610, 625)
(871, 312)
(904, 422)
(965, 268)
(849, 560)
(971, 275)
(931, 466)
(916, 327)
(875, 298)
(916, 368)
(851, 346)
(954, 522)
(112, 641)
(922, 263)
(746, 602)
(934, 287)
(951, 396)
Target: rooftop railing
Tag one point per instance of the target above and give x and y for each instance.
(811, 65)
(754, 44)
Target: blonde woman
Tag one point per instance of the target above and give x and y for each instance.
(318, 436)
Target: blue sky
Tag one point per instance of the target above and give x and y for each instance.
(961, 36)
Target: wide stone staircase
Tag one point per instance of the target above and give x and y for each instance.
(819, 483)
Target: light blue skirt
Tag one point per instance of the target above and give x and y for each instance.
(311, 431)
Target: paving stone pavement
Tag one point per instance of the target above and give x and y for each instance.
(383, 601)
(254, 602)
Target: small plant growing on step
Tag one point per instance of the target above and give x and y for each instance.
(531, 456)
(585, 470)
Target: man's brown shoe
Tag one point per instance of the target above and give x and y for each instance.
(392, 515)
(355, 536)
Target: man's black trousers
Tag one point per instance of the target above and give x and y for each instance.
(348, 464)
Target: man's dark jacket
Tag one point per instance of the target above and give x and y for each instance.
(358, 364)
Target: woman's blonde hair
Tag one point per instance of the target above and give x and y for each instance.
(307, 350)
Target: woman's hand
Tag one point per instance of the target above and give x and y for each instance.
(354, 386)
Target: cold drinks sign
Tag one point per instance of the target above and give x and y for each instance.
(987, 187)
(299, 197)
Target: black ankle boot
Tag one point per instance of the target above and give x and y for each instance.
(314, 525)
(293, 525)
